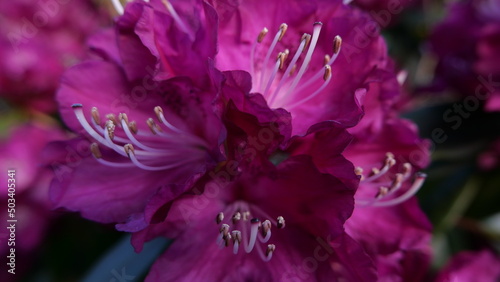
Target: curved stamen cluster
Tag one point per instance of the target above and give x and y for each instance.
(243, 228)
(386, 195)
(165, 147)
(279, 92)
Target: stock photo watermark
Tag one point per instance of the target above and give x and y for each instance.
(11, 220)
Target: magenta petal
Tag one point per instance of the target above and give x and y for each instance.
(472, 266)
(138, 61)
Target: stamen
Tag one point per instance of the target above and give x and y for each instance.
(283, 28)
(130, 151)
(291, 67)
(307, 59)
(279, 35)
(153, 126)
(227, 240)
(359, 171)
(236, 241)
(94, 148)
(260, 37)
(396, 184)
(124, 117)
(118, 6)
(224, 229)
(219, 218)
(337, 43)
(95, 116)
(112, 118)
(262, 34)
(177, 19)
(382, 192)
(83, 122)
(126, 129)
(269, 252)
(280, 222)
(161, 117)
(307, 37)
(96, 153)
(270, 249)
(236, 217)
(327, 77)
(417, 184)
(406, 170)
(326, 59)
(240, 232)
(133, 127)
(279, 65)
(389, 162)
(110, 129)
(265, 231)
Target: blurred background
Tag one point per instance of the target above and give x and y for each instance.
(448, 54)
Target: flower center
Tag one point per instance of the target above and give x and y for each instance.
(165, 147)
(389, 186)
(284, 91)
(245, 227)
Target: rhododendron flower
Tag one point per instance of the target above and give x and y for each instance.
(246, 136)
(38, 40)
(264, 227)
(387, 219)
(467, 43)
(308, 58)
(471, 266)
(158, 133)
(278, 220)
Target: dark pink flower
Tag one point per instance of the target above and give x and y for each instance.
(307, 58)
(466, 43)
(387, 219)
(38, 40)
(156, 126)
(471, 266)
(223, 208)
(388, 155)
(269, 228)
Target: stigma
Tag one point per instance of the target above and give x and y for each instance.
(162, 147)
(245, 228)
(389, 185)
(282, 80)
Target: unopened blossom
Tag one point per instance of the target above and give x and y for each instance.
(471, 266)
(38, 40)
(466, 44)
(140, 133)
